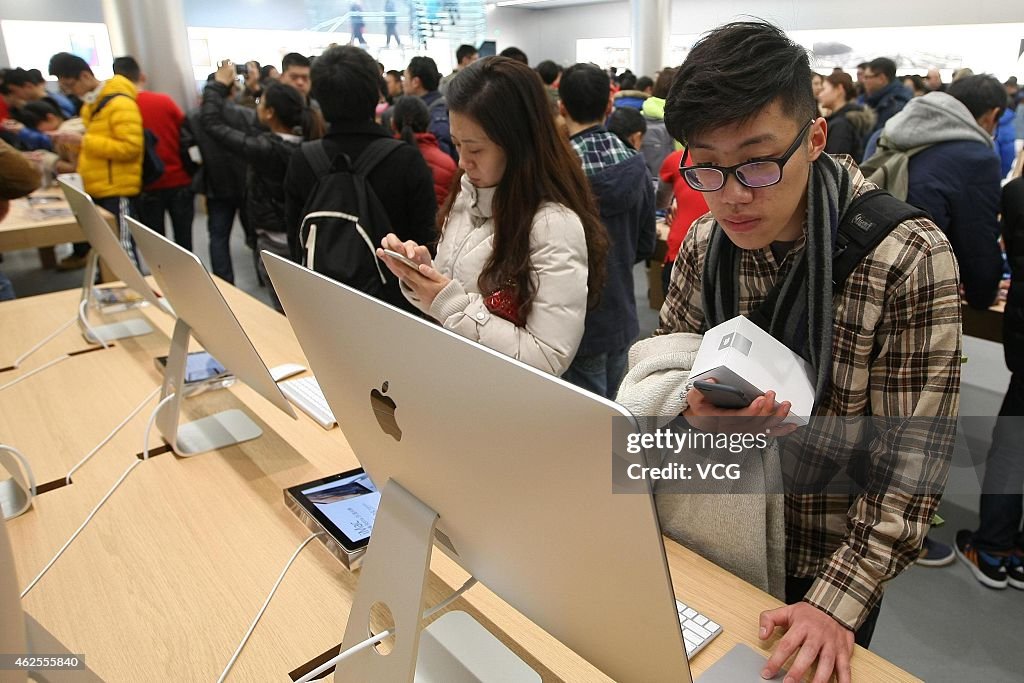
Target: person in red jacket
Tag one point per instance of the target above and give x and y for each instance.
(410, 119)
(172, 193)
(689, 206)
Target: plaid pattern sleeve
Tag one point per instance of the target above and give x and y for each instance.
(906, 291)
(682, 310)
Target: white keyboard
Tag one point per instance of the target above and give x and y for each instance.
(306, 394)
(698, 630)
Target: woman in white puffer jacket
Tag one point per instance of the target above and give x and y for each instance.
(522, 247)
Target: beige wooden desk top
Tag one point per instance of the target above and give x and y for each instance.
(27, 226)
(166, 579)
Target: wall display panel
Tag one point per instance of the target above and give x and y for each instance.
(985, 48)
(30, 44)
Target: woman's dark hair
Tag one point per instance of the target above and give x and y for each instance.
(917, 82)
(626, 121)
(507, 99)
(347, 84)
(734, 73)
(664, 82)
(410, 116)
(425, 69)
(842, 80)
(290, 109)
(265, 72)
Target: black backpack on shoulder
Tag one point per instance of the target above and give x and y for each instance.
(152, 164)
(343, 221)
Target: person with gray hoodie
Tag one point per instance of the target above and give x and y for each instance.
(956, 179)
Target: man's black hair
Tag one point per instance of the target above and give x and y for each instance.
(548, 71)
(18, 77)
(347, 84)
(627, 82)
(626, 121)
(34, 113)
(425, 69)
(980, 94)
(644, 82)
(67, 65)
(883, 66)
(129, 68)
(733, 74)
(463, 52)
(397, 74)
(30, 77)
(516, 54)
(293, 59)
(584, 90)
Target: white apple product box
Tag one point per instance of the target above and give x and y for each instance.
(742, 355)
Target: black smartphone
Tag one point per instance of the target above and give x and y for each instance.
(723, 395)
(241, 69)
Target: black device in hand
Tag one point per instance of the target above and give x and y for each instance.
(723, 395)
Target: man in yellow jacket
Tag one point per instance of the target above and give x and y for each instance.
(110, 161)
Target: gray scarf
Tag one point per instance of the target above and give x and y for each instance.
(798, 310)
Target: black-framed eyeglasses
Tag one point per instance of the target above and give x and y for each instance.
(754, 173)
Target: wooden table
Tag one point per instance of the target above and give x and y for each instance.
(987, 324)
(27, 226)
(166, 579)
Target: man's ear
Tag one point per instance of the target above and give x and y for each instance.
(818, 136)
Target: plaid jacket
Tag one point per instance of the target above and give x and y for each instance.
(598, 149)
(896, 352)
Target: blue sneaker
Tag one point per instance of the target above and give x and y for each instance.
(935, 554)
(988, 569)
(1015, 570)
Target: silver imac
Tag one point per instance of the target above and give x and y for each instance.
(202, 313)
(105, 245)
(513, 466)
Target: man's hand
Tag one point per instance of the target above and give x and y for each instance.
(225, 73)
(815, 635)
(760, 416)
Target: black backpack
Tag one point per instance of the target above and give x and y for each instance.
(344, 222)
(152, 164)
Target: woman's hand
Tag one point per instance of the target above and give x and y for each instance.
(424, 281)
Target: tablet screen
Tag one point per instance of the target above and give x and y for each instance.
(344, 504)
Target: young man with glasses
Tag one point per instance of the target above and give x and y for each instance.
(885, 342)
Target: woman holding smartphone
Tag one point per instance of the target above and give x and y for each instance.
(522, 249)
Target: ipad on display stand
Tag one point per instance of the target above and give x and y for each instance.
(204, 314)
(507, 469)
(105, 245)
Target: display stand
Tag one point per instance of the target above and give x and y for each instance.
(17, 492)
(222, 429)
(133, 327)
(455, 648)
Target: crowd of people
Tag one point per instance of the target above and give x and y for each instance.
(524, 197)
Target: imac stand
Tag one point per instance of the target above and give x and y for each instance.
(133, 327)
(226, 428)
(455, 648)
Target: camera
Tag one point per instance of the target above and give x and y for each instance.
(241, 69)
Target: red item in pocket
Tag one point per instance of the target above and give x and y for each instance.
(505, 304)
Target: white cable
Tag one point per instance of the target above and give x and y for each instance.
(374, 639)
(259, 615)
(110, 436)
(34, 371)
(145, 456)
(22, 357)
(85, 321)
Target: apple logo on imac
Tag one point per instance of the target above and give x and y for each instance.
(384, 410)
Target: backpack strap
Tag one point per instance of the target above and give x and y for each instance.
(376, 152)
(317, 157)
(106, 100)
(868, 220)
